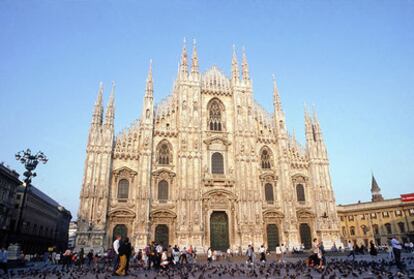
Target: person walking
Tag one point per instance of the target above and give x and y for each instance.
(209, 255)
(128, 251)
(3, 260)
(396, 249)
(262, 252)
(372, 249)
(351, 250)
(116, 246)
(122, 252)
(249, 254)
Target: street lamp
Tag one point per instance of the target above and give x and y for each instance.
(30, 162)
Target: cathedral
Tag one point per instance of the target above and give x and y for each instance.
(207, 167)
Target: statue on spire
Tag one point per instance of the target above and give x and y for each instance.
(184, 63)
(110, 109)
(276, 98)
(149, 88)
(97, 117)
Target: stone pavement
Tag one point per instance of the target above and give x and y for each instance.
(293, 267)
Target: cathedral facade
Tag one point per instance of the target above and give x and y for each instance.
(207, 167)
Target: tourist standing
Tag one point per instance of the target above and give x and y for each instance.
(209, 255)
(396, 249)
(3, 260)
(351, 250)
(128, 253)
(249, 254)
(122, 252)
(372, 249)
(262, 252)
(116, 246)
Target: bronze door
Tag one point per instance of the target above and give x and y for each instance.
(120, 230)
(272, 236)
(162, 235)
(305, 235)
(219, 231)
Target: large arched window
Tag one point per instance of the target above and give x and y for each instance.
(162, 191)
(300, 193)
(401, 226)
(265, 159)
(164, 153)
(364, 229)
(352, 230)
(388, 228)
(123, 189)
(269, 193)
(217, 163)
(375, 229)
(215, 115)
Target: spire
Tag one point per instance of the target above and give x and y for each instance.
(234, 66)
(184, 63)
(149, 88)
(110, 110)
(98, 110)
(245, 67)
(308, 126)
(194, 65)
(276, 98)
(375, 190)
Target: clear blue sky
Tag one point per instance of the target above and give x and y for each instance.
(352, 59)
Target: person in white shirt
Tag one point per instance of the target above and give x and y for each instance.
(396, 249)
(262, 252)
(278, 253)
(115, 246)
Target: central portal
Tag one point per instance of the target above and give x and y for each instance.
(219, 231)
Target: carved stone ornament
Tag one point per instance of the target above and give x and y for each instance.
(124, 172)
(298, 178)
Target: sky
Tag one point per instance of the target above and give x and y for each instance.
(352, 59)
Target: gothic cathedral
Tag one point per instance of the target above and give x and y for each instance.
(206, 167)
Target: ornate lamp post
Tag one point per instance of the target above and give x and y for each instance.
(30, 163)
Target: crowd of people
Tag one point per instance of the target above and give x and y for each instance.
(170, 260)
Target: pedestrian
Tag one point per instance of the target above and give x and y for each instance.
(249, 254)
(67, 260)
(372, 249)
(278, 253)
(89, 256)
(396, 249)
(209, 255)
(115, 246)
(164, 259)
(128, 251)
(176, 254)
(262, 252)
(351, 250)
(122, 253)
(81, 258)
(3, 260)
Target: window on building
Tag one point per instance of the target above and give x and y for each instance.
(164, 153)
(373, 215)
(388, 228)
(401, 226)
(411, 211)
(385, 214)
(343, 230)
(300, 193)
(398, 213)
(123, 189)
(265, 159)
(375, 228)
(342, 218)
(364, 229)
(269, 193)
(352, 230)
(217, 164)
(351, 218)
(362, 216)
(215, 121)
(163, 191)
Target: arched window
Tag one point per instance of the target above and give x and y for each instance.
(401, 226)
(164, 154)
(352, 230)
(215, 117)
(123, 189)
(300, 193)
(388, 228)
(343, 231)
(163, 191)
(269, 193)
(265, 159)
(217, 164)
